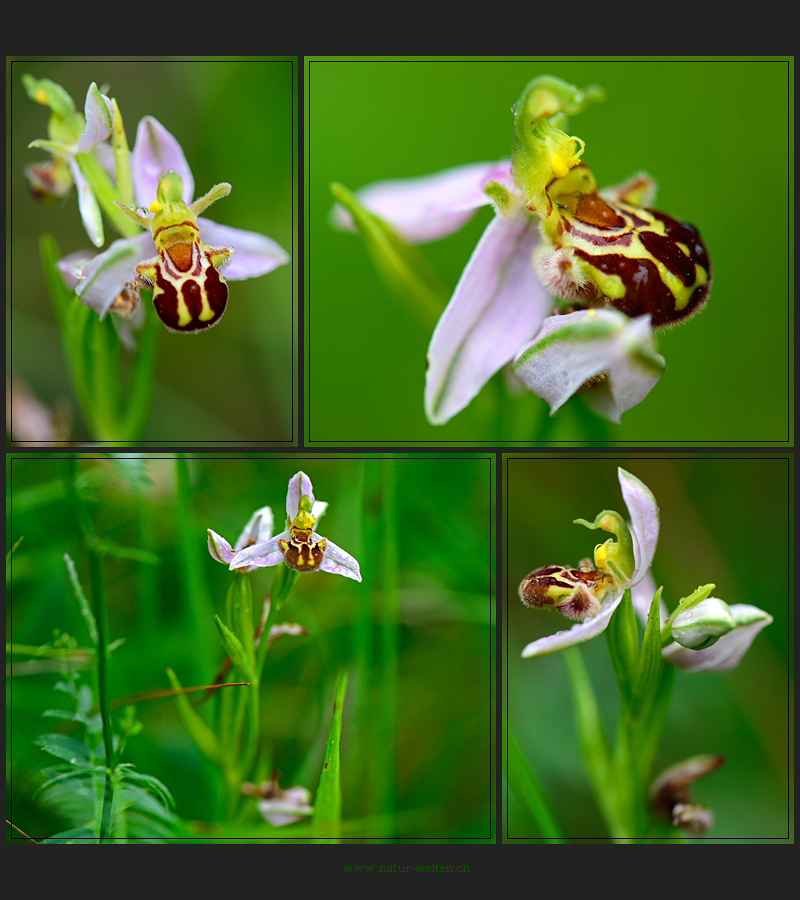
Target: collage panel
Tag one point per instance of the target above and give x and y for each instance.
(367, 716)
(647, 664)
(153, 237)
(507, 251)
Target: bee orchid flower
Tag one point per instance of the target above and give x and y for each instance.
(553, 233)
(178, 257)
(593, 594)
(298, 545)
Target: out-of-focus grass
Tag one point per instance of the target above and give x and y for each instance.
(426, 773)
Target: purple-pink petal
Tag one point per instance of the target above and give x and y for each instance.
(643, 510)
(432, 206)
(728, 651)
(497, 306)
(99, 117)
(253, 254)
(299, 486)
(155, 153)
(105, 276)
(338, 561)
(219, 548)
(260, 555)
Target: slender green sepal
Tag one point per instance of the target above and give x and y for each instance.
(402, 267)
(122, 158)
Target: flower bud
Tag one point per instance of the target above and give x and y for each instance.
(703, 624)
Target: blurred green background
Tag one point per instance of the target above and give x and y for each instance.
(234, 118)
(713, 133)
(724, 520)
(416, 635)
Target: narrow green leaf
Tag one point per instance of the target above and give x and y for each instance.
(73, 836)
(200, 733)
(525, 785)
(240, 604)
(73, 751)
(86, 609)
(650, 662)
(623, 643)
(328, 799)
(151, 783)
(103, 547)
(235, 650)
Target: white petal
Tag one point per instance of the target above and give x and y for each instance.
(572, 348)
(338, 561)
(299, 486)
(105, 276)
(635, 367)
(219, 548)
(643, 510)
(259, 528)
(583, 631)
(497, 306)
(728, 651)
(260, 555)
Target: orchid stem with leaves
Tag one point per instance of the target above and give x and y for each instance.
(295, 551)
(609, 593)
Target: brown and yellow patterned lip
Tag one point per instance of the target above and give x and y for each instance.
(662, 264)
(190, 295)
(301, 552)
(559, 586)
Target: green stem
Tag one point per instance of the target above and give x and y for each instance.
(105, 192)
(100, 614)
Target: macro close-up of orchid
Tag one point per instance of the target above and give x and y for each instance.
(556, 244)
(168, 267)
(298, 546)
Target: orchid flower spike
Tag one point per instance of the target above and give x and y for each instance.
(592, 592)
(299, 546)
